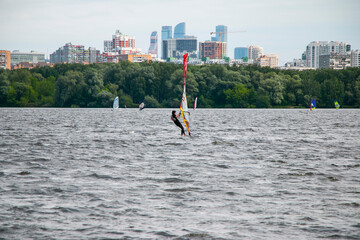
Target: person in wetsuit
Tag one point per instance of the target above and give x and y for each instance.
(177, 122)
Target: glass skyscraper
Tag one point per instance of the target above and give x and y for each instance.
(176, 48)
(153, 49)
(221, 30)
(179, 30)
(240, 52)
(166, 33)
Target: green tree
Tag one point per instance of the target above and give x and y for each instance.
(331, 89)
(151, 102)
(104, 98)
(4, 88)
(238, 96)
(272, 86)
(70, 90)
(94, 84)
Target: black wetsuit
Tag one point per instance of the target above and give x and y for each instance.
(177, 123)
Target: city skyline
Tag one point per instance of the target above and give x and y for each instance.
(280, 26)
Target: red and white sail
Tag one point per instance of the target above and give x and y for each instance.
(183, 104)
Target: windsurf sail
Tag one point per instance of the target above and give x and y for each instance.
(141, 106)
(337, 105)
(116, 103)
(183, 104)
(312, 105)
(195, 103)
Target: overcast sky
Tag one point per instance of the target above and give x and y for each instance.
(282, 27)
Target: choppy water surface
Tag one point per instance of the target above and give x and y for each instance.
(245, 174)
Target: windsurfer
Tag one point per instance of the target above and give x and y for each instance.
(177, 122)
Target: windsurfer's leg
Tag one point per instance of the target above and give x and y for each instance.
(182, 131)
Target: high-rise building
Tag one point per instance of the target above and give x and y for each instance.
(92, 55)
(176, 48)
(32, 57)
(269, 60)
(335, 61)
(221, 33)
(212, 49)
(153, 49)
(73, 54)
(166, 33)
(5, 59)
(179, 30)
(124, 44)
(355, 58)
(254, 52)
(108, 46)
(221, 36)
(315, 49)
(240, 52)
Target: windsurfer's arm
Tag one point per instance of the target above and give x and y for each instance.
(178, 115)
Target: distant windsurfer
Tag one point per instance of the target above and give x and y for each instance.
(177, 122)
(141, 106)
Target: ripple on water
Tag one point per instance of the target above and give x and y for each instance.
(246, 174)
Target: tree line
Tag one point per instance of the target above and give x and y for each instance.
(160, 85)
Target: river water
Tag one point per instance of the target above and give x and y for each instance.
(128, 174)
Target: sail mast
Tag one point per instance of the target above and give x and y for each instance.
(183, 104)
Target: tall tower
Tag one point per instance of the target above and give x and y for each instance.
(179, 30)
(123, 44)
(221, 30)
(221, 36)
(153, 49)
(166, 34)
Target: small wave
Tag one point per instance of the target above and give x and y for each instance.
(165, 234)
(38, 143)
(352, 166)
(301, 174)
(85, 229)
(277, 161)
(197, 236)
(25, 209)
(190, 189)
(223, 143)
(66, 209)
(231, 193)
(173, 180)
(55, 190)
(95, 175)
(114, 205)
(308, 219)
(222, 166)
(356, 225)
(332, 178)
(352, 204)
(24, 173)
(171, 144)
(339, 236)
